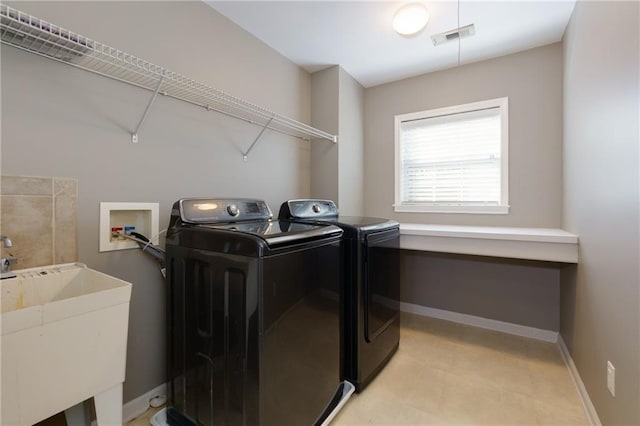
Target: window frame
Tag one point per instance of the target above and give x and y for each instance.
(503, 207)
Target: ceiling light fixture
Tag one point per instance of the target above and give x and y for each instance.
(410, 19)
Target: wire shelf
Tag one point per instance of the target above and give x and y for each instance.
(35, 35)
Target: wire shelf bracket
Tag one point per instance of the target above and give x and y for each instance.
(245, 154)
(34, 35)
(134, 135)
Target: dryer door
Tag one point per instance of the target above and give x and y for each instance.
(381, 281)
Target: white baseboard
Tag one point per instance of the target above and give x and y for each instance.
(505, 327)
(589, 409)
(139, 405)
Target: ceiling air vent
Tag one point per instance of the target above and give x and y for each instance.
(462, 32)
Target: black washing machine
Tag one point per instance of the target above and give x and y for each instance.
(370, 282)
(253, 316)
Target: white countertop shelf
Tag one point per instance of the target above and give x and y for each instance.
(545, 244)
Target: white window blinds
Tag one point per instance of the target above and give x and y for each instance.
(453, 160)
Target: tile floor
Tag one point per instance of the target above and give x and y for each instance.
(451, 374)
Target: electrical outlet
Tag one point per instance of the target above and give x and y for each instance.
(611, 378)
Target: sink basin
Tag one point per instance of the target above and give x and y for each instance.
(64, 340)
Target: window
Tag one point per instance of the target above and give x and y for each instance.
(453, 160)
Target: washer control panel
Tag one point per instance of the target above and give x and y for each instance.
(214, 210)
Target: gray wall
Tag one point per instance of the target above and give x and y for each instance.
(325, 98)
(337, 105)
(600, 317)
(515, 291)
(533, 82)
(351, 146)
(511, 291)
(61, 121)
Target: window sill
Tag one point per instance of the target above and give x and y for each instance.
(553, 245)
(409, 208)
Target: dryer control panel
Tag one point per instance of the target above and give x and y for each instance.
(308, 209)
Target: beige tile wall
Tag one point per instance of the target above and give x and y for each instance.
(39, 215)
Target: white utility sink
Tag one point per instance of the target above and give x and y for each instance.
(64, 340)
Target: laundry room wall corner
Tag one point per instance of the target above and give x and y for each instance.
(337, 171)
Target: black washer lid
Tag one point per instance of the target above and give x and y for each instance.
(278, 232)
(252, 238)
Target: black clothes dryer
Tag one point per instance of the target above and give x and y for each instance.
(253, 316)
(370, 282)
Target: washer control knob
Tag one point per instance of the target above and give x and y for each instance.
(232, 209)
(315, 208)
